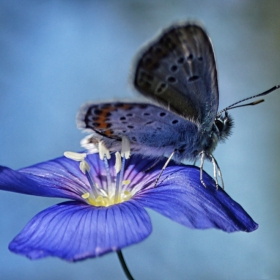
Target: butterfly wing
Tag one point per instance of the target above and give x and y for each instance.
(178, 71)
(152, 130)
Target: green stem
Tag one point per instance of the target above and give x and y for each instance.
(124, 266)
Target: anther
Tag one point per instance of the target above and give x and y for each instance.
(103, 150)
(125, 147)
(84, 166)
(75, 156)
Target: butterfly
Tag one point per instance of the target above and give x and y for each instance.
(178, 75)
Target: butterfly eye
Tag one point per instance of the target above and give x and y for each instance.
(220, 124)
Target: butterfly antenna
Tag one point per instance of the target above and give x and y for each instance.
(233, 106)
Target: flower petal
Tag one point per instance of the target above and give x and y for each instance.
(60, 173)
(15, 181)
(74, 231)
(181, 197)
(60, 177)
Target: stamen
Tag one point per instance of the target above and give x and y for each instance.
(118, 164)
(112, 192)
(125, 194)
(126, 182)
(125, 147)
(119, 182)
(91, 183)
(75, 156)
(85, 195)
(103, 151)
(110, 187)
(84, 166)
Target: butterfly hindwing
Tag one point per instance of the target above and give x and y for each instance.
(178, 70)
(148, 127)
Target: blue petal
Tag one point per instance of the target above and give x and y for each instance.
(74, 231)
(60, 177)
(181, 197)
(15, 181)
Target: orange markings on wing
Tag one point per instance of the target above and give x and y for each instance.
(101, 122)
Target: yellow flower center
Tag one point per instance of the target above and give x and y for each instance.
(116, 190)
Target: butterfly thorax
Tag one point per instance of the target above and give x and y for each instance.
(219, 132)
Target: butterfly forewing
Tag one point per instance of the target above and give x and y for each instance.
(178, 71)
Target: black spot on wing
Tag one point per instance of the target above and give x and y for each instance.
(193, 78)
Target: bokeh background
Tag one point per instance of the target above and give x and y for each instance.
(55, 55)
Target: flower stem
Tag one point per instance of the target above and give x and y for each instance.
(124, 266)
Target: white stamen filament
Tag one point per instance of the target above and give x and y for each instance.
(118, 164)
(108, 175)
(116, 189)
(119, 181)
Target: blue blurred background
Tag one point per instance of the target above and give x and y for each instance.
(56, 55)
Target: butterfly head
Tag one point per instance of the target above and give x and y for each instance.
(223, 124)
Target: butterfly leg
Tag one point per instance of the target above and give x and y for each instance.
(217, 168)
(165, 165)
(202, 159)
(153, 165)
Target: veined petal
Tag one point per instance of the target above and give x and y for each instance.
(62, 177)
(14, 181)
(181, 197)
(61, 173)
(75, 231)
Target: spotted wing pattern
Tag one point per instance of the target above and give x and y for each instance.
(178, 70)
(152, 130)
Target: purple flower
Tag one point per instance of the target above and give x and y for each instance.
(106, 212)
